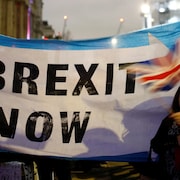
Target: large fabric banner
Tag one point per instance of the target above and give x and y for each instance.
(97, 99)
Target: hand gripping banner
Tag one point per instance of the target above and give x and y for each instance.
(88, 99)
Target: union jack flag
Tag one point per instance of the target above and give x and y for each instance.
(161, 73)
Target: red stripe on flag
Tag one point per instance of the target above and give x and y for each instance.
(161, 75)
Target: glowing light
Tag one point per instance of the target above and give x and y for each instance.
(145, 8)
(174, 5)
(114, 41)
(121, 20)
(163, 7)
(162, 10)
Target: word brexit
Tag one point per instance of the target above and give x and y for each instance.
(52, 79)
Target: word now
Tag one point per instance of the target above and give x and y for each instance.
(8, 130)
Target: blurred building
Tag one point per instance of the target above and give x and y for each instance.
(164, 11)
(21, 18)
(155, 12)
(47, 30)
(35, 13)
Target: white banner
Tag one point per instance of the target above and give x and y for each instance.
(85, 103)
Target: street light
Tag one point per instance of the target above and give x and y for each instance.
(121, 20)
(114, 40)
(163, 7)
(146, 13)
(64, 27)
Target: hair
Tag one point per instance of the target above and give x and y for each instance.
(176, 101)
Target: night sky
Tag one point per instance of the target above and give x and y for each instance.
(89, 19)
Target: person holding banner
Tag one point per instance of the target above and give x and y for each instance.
(163, 74)
(172, 154)
(176, 150)
(166, 142)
